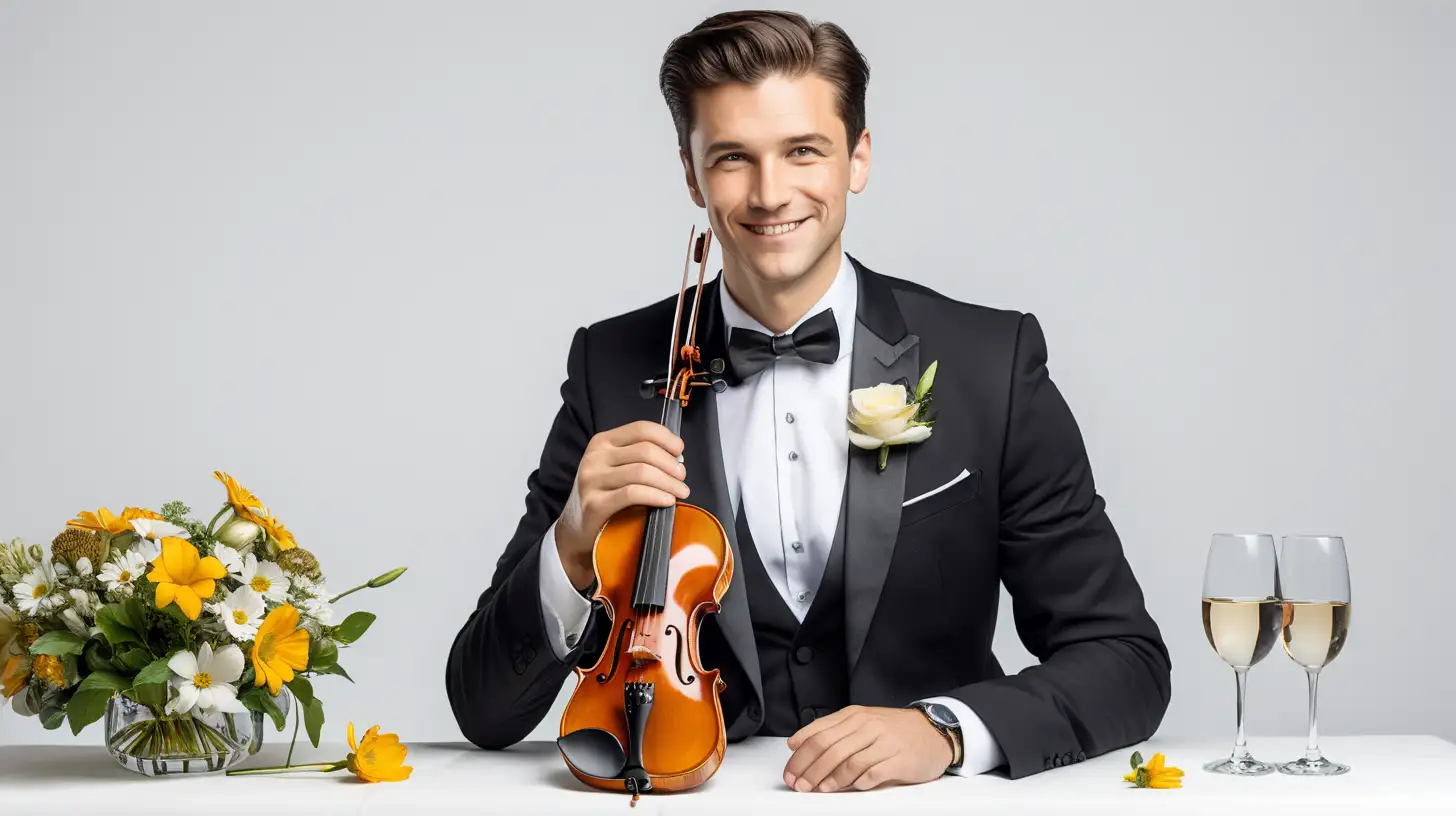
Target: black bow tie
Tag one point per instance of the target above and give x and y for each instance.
(816, 340)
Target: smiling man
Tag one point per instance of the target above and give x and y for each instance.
(861, 613)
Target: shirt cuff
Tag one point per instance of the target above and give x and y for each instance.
(979, 750)
(566, 610)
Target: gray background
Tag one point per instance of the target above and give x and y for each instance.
(339, 251)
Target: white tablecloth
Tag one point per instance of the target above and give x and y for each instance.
(1389, 774)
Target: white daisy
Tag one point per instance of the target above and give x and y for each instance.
(241, 612)
(124, 571)
(231, 559)
(147, 549)
(153, 530)
(37, 592)
(206, 680)
(265, 578)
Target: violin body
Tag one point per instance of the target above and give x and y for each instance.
(647, 716)
(684, 739)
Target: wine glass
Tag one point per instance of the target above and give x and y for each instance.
(1316, 621)
(1241, 613)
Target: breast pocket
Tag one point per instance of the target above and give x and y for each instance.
(964, 486)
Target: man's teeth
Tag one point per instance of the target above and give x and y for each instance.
(775, 230)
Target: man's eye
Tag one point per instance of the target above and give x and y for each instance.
(810, 149)
(729, 157)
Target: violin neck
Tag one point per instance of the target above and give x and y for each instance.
(649, 594)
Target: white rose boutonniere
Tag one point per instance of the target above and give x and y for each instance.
(884, 415)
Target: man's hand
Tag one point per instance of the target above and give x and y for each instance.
(861, 747)
(633, 464)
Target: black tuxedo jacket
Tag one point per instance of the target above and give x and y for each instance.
(921, 581)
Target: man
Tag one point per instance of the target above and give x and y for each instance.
(861, 613)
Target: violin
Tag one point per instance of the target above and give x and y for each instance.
(647, 716)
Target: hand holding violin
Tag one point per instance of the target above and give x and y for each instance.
(633, 464)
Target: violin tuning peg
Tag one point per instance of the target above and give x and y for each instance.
(716, 365)
(719, 386)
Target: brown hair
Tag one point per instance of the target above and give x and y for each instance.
(749, 46)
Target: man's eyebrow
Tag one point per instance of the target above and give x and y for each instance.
(801, 139)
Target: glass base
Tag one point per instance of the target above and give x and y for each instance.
(1313, 767)
(1247, 766)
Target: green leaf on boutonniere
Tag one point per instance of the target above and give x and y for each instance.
(926, 381)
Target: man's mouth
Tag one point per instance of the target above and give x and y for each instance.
(774, 229)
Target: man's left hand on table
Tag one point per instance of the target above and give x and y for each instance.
(863, 747)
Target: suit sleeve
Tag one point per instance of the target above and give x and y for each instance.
(1104, 675)
(502, 674)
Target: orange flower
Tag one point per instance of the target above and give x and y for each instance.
(275, 530)
(183, 576)
(279, 649)
(14, 675)
(378, 757)
(103, 520)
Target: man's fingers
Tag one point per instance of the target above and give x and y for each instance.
(851, 738)
(883, 772)
(829, 721)
(639, 473)
(856, 765)
(644, 431)
(809, 751)
(649, 452)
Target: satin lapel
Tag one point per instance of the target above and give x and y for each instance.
(708, 486)
(884, 352)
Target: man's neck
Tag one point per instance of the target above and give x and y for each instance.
(779, 305)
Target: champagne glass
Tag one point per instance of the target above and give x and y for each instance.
(1316, 621)
(1241, 613)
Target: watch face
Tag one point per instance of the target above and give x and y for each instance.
(942, 714)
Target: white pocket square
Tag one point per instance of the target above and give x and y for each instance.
(963, 474)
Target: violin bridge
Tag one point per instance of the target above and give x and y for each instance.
(642, 654)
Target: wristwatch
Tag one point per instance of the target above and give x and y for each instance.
(944, 720)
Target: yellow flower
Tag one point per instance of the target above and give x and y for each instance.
(50, 669)
(279, 649)
(241, 498)
(182, 575)
(103, 520)
(1156, 775)
(275, 530)
(378, 757)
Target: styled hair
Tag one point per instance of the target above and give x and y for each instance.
(750, 46)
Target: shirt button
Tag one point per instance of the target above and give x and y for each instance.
(789, 418)
(793, 456)
(798, 546)
(803, 596)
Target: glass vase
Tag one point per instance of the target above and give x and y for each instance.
(154, 744)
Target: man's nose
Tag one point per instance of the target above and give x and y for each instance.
(770, 190)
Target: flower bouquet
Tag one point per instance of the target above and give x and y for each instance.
(182, 635)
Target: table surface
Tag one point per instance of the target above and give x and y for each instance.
(1389, 773)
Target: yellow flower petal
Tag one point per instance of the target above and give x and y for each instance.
(187, 600)
(165, 593)
(352, 745)
(180, 559)
(210, 567)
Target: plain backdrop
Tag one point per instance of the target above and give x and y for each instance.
(339, 250)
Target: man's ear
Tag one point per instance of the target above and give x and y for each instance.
(692, 180)
(859, 163)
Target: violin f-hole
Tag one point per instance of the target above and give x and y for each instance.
(616, 651)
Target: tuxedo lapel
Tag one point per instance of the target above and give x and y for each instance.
(884, 352)
(708, 484)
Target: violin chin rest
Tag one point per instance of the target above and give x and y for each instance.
(594, 752)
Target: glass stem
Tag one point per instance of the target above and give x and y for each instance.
(1311, 748)
(1241, 750)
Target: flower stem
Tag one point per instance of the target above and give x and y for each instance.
(320, 767)
(297, 715)
(364, 585)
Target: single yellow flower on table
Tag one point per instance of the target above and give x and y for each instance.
(378, 757)
(183, 576)
(1156, 774)
(279, 649)
(103, 521)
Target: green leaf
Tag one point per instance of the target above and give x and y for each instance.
(132, 614)
(301, 688)
(336, 669)
(258, 699)
(151, 695)
(322, 653)
(52, 711)
(246, 679)
(98, 656)
(353, 627)
(59, 643)
(155, 672)
(135, 658)
(1137, 759)
(313, 720)
(108, 618)
(926, 380)
(89, 702)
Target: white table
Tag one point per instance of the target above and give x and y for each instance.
(1390, 774)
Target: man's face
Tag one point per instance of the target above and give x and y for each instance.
(771, 165)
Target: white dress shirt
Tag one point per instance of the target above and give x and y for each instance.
(789, 423)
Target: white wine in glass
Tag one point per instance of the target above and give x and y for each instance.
(1241, 617)
(1315, 622)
